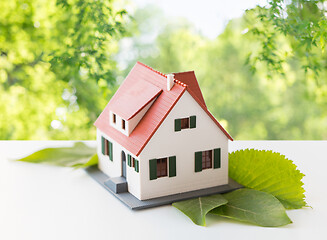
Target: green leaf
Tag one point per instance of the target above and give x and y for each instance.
(255, 207)
(196, 209)
(80, 155)
(269, 172)
(92, 161)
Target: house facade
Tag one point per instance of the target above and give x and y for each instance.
(157, 133)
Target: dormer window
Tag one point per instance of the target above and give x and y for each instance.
(119, 123)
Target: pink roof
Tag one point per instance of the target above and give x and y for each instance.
(132, 97)
(148, 84)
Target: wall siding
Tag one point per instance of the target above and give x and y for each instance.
(114, 168)
(183, 144)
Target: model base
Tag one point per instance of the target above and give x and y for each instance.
(135, 204)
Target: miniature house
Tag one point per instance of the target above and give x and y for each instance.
(157, 136)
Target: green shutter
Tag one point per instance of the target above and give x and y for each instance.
(216, 158)
(110, 150)
(193, 122)
(102, 145)
(198, 161)
(129, 162)
(172, 166)
(178, 125)
(136, 166)
(153, 169)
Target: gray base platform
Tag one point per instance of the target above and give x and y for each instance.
(117, 184)
(133, 203)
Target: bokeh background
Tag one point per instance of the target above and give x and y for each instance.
(260, 64)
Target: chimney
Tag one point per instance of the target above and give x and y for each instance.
(170, 81)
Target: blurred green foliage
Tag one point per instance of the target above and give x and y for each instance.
(253, 100)
(56, 66)
(303, 22)
(264, 77)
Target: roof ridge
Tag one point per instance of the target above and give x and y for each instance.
(164, 75)
(180, 82)
(186, 72)
(153, 70)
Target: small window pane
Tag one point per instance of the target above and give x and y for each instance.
(114, 118)
(106, 147)
(123, 124)
(161, 167)
(185, 123)
(207, 159)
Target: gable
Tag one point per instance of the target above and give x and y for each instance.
(212, 117)
(168, 142)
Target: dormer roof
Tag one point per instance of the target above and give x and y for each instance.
(132, 97)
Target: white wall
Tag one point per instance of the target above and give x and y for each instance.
(118, 124)
(183, 144)
(114, 168)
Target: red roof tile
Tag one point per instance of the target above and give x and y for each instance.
(141, 78)
(132, 97)
(192, 84)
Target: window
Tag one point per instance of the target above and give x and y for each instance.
(136, 166)
(162, 167)
(107, 148)
(133, 162)
(114, 118)
(207, 159)
(185, 123)
(123, 124)
(129, 160)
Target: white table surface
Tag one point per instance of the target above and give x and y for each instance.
(46, 202)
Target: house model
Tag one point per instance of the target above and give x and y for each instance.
(156, 137)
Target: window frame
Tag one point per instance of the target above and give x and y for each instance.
(123, 124)
(107, 148)
(207, 157)
(133, 163)
(185, 123)
(162, 167)
(155, 167)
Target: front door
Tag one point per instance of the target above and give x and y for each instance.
(123, 162)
